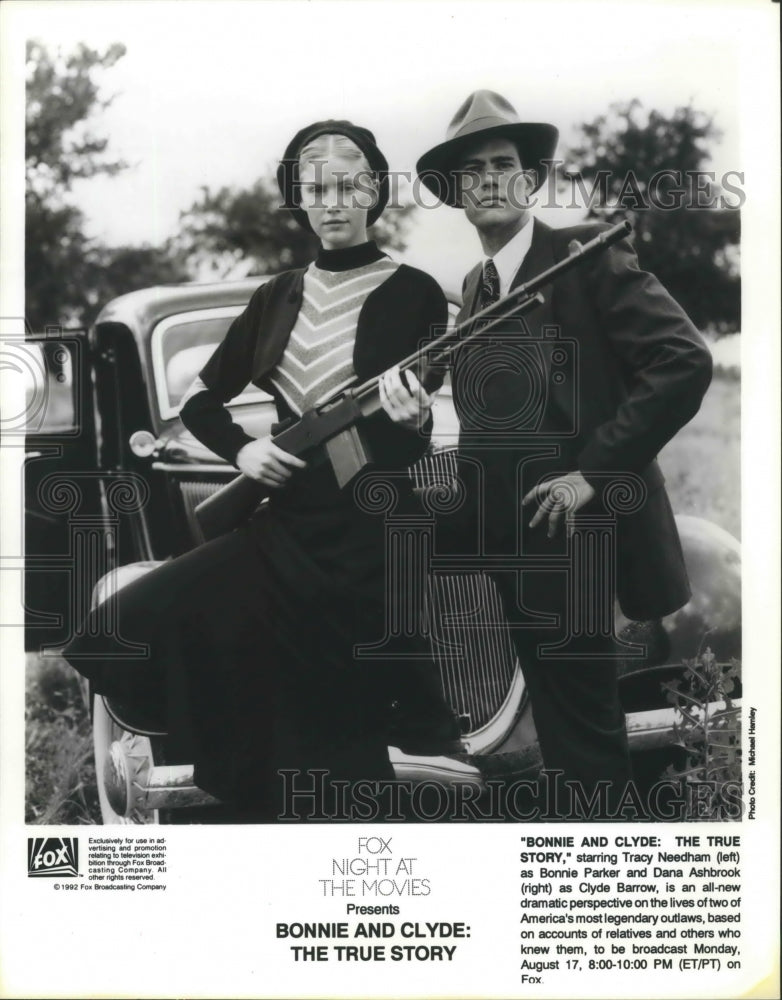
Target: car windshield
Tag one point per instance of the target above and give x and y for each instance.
(181, 346)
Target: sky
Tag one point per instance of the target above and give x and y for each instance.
(210, 93)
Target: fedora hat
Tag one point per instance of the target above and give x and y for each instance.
(485, 115)
(288, 170)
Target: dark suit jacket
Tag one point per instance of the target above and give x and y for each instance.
(638, 373)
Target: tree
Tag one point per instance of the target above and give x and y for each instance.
(234, 232)
(62, 96)
(652, 169)
(67, 275)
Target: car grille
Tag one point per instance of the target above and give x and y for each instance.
(472, 647)
(470, 639)
(193, 493)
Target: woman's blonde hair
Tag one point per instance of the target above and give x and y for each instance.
(323, 146)
(313, 145)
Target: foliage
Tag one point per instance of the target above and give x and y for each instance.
(127, 268)
(59, 265)
(709, 737)
(62, 95)
(231, 228)
(685, 231)
(60, 774)
(233, 232)
(69, 276)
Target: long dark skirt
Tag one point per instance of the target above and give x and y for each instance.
(251, 643)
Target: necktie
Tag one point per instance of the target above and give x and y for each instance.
(490, 285)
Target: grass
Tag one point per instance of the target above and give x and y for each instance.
(702, 469)
(702, 465)
(60, 774)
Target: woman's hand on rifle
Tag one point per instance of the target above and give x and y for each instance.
(264, 461)
(404, 398)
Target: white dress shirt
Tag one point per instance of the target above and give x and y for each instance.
(511, 257)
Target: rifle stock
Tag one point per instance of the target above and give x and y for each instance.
(333, 422)
(229, 506)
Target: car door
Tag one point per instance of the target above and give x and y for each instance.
(65, 540)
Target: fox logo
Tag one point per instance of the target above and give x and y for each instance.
(50, 856)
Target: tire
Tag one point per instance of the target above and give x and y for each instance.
(105, 732)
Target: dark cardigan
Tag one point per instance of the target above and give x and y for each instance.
(406, 309)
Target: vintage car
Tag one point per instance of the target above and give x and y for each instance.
(112, 479)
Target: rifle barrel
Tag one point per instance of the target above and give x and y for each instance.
(521, 299)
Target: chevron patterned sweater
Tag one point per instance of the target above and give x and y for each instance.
(319, 354)
(360, 309)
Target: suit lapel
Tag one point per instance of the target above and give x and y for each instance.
(539, 257)
(472, 284)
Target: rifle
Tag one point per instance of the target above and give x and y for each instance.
(332, 423)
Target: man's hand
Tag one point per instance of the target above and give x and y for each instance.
(404, 398)
(264, 461)
(557, 497)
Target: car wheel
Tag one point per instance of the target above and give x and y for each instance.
(121, 757)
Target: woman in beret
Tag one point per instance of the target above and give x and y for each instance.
(257, 629)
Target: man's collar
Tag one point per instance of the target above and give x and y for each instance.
(510, 258)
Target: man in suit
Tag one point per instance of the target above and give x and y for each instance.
(562, 415)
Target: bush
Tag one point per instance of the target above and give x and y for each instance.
(709, 737)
